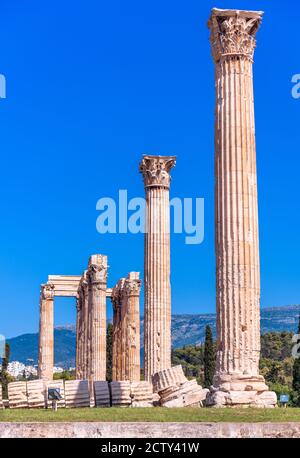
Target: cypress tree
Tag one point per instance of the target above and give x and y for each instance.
(296, 368)
(209, 358)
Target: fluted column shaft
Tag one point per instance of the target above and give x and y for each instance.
(126, 328)
(97, 273)
(115, 341)
(236, 215)
(46, 333)
(79, 323)
(133, 359)
(157, 308)
(238, 288)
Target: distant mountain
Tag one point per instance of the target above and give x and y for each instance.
(186, 330)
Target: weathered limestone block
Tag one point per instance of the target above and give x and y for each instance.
(121, 393)
(17, 395)
(102, 394)
(36, 394)
(77, 393)
(186, 394)
(61, 386)
(167, 377)
(175, 390)
(141, 394)
(266, 399)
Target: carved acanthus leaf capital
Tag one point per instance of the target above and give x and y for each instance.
(132, 287)
(97, 269)
(233, 33)
(47, 291)
(156, 170)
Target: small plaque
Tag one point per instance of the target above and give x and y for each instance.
(284, 398)
(54, 394)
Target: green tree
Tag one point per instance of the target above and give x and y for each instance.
(65, 375)
(296, 368)
(209, 358)
(109, 355)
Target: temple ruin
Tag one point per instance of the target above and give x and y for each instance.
(237, 381)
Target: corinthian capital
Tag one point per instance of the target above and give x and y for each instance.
(97, 268)
(156, 170)
(132, 287)
(233, 33)
(47, 291)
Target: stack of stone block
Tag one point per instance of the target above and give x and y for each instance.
(175, 390)
(120, 394)
(141, 394)
(17, 395)
(102, 394)
(77, 393)
(36, 394)
(61, 386)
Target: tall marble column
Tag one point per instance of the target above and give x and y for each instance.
(237, 379)
(97, 275)
(157, 313)
(132, 287)
(46, 333)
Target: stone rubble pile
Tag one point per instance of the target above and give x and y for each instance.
(241, 391)
(175, 390)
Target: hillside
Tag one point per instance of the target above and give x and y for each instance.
(186, 329)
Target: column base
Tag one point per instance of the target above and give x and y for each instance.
(240, 391)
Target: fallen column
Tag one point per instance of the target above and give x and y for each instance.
(175, 390)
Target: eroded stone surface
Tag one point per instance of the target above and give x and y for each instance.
(126, 328)
(175, 390)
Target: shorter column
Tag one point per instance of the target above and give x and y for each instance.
(126, 328)
(46, 333)
(132, 287)
(97, 277)
(117, 349)
(78, 338)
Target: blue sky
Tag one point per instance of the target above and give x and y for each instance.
(93, 85)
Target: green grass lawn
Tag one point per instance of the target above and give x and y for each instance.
(156, 414)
